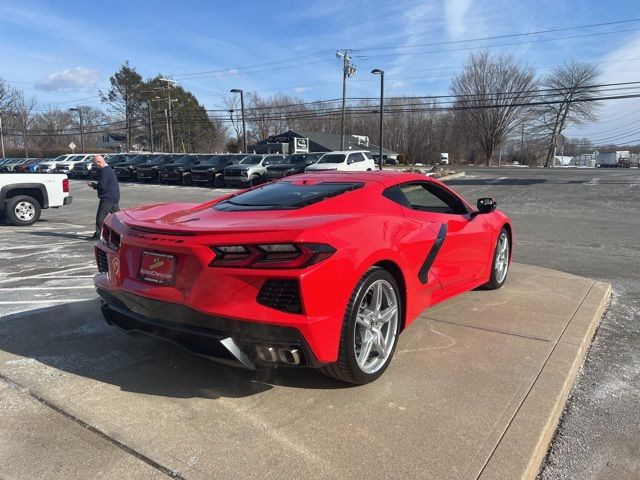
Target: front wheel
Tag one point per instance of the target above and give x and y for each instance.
(22, 210)
(500, 265)
(370, 329)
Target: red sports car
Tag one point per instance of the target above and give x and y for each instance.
(322, 270)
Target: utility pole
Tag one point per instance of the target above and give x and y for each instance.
(170, 119)
(166, 119)
(79, 110)
(348, 70)
(1, 135)
(150, 125)
(522, 144)
(377, 71)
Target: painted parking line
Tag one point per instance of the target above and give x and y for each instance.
(44, 287)
(43, 302)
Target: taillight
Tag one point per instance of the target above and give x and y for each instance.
(65, 185)
(110, 237)
(277, 255)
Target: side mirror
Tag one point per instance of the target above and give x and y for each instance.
(486, 205)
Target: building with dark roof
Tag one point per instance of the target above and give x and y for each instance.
(320, 142)
(111, 140)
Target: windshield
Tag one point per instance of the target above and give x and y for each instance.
(251, 160)
(219, 159)
(285, 196)
(290, 159)
(332, 158)
(273, 159)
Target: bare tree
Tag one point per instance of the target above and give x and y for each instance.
(232, 104)
(568, 98)
(492, 93)
(24, 115)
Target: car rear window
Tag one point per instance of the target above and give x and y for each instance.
(286, 196)
(332, 158)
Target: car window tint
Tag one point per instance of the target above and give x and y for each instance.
(285, 195)
(356, 157)
(429, 197)
(332, 158)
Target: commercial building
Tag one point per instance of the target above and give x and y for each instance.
(290, 142)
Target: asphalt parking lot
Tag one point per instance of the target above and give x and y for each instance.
(584, 222)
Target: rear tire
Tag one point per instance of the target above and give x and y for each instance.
(22, 210)
(501, 261)
(370, 329)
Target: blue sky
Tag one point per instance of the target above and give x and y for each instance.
(62, 52)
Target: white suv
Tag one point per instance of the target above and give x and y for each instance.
(347, 161)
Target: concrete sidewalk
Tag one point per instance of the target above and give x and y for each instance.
(476, 389)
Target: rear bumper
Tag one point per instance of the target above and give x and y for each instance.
(67, 200)
(221, 339)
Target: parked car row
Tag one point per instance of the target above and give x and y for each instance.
(19, 165)
(232, 169)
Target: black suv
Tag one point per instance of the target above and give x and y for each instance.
(211, 170)
(290, 165)
(128, 170)
(148, 172)
(180, 170)
(112, 161)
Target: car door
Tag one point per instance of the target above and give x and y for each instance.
(463, 254)
(355, 162)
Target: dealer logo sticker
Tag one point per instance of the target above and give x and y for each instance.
(158, 268)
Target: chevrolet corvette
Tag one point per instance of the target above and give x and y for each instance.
(319, 270)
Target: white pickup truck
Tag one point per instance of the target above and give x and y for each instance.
(24, 195)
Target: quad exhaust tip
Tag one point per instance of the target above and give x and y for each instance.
(289, 356)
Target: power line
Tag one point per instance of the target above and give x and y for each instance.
(497, 44)
(496, 37)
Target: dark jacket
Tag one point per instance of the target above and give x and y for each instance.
(107, 185)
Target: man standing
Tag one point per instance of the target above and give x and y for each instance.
(108, 192)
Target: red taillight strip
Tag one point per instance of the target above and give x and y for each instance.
(255, 257)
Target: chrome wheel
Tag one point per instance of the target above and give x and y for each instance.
(502, 258)
(376, 326)
(24, 211)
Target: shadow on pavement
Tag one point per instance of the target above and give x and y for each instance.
(75, 338)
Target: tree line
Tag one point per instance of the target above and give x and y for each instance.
(497, 110)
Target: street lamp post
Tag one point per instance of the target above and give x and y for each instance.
(377, 71)
(244, 129)
(79, 110)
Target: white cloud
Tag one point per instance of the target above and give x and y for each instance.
(70, 79)
(301, 89)
(454, 16)
(397, 85)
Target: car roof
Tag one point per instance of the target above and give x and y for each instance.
(386, 177)
(344, 152)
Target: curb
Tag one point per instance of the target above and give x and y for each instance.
(523, 447)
